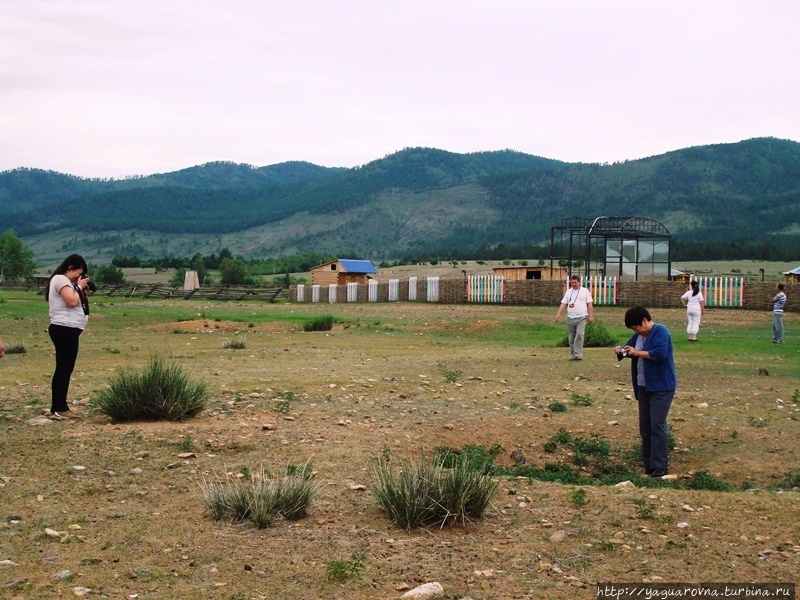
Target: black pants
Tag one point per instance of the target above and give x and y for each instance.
(65, 339)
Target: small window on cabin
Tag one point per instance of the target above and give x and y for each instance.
(333, 267)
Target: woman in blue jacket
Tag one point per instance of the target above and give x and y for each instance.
(654, 383)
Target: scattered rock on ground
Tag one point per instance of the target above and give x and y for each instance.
(425, 591)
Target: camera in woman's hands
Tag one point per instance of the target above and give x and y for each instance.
(90, 284)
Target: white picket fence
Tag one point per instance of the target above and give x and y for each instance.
(351, 291)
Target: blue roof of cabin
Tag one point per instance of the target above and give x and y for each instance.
(357, 266)
(795, 271)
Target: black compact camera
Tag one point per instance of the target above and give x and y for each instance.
(90, 284)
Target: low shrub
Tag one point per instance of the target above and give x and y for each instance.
(703, 480)
(477, 457)
(321, 323)
(791, 479)
(237, 343)
(262, 498)
(596, 336)
(428, 492)
(16, 348)
(581, 399)
(160, 391)
(344, 570)
(450, 375)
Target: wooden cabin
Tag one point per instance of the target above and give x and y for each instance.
(676, 275)
(793, 275)
(520, 273)
(342, 271)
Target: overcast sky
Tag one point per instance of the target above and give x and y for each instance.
(110, 88)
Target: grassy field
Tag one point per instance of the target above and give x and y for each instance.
(116, 507)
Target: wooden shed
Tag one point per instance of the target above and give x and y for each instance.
(676, 275)
(793, 275)
(520, 273)
(342, 271)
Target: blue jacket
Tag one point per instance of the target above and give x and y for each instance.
(659, 371)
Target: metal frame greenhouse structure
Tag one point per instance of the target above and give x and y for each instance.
(631, 248)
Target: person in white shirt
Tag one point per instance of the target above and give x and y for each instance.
(69, 312)
(694, 302)
(580, 311)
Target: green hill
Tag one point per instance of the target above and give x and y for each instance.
(410, 203)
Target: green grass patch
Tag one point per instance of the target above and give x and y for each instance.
(320, 323)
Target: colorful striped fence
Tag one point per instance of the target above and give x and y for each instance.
(486, 288)
(603, 289)
(722, 291)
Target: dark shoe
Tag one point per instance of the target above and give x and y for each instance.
(657, 473)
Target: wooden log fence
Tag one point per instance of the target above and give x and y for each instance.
(160, 290)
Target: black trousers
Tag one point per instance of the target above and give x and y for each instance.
(65, 339)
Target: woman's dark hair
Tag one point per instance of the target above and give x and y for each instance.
(73, 261)
(636, 316)
(695, 288)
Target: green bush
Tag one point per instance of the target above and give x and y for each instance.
(703, 480)
(581, 399)
(578, 498)
(160, 391)
(321, 323)
(477, 457)
(791, 479)
(344, 570)
(261, 497)
(428, 492)
(450, 375)
(596, 336)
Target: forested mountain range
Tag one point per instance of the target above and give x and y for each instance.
(416, 202)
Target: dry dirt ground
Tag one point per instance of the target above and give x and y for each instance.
(126, 512)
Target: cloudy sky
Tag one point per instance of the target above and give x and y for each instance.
(111, 88)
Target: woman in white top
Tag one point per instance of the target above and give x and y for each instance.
(694, 302)
(69, 313)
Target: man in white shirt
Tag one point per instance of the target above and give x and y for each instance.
(580, 311)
